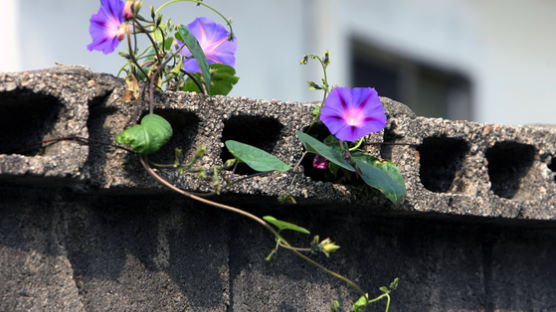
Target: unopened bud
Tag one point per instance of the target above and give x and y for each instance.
(326, 57)
(137, 6)
(327, 246)
(230, 162)
(124, 54)
(158, 20)
(313, 85)
(128, 10)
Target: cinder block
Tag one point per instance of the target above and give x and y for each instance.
(42, 105)
(450, 167)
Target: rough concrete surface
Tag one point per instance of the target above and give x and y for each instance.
(83, 228)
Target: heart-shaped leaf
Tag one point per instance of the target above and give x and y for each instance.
(255, 158)
(222, 80)
(382, 175)
(147, 137)
(283, 225)
(313, 145)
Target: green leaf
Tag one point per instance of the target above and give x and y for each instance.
(147, 137)
(190, 86)
(157, 35)
(222, 80)
(255, 158)
(382, 175)
(313, 145)
(361, 304)
(168, 43)
(192, 44)
(283, 225)
(394, 284)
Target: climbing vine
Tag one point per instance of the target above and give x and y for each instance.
(200, 57)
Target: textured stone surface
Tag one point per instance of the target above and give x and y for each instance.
(83, 228)
(59, 252)
(451, 167)
(41, 105)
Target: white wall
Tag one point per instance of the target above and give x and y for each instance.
(506, 47)
(9, 60)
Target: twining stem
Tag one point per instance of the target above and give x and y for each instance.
(330, 272)
(251, 216)
(380, 297)
(199, 2)
(132, 56)
(197, 83)
(153, 78)
(164, 182)
(325, 88)
(136, 23)
(300, 249)
(299, 161)
(73, 138)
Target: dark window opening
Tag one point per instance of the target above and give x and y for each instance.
(428, 90)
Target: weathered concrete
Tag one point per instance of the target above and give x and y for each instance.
(81, 232)
(454, 167)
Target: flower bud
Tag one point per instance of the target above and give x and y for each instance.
(158, 20)
(230, 163)
(320, 162)
(137, 6)
(128, 11)
(327, 246)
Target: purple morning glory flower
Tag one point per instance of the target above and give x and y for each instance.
(107, 27)
(351, 114)
(213, 39)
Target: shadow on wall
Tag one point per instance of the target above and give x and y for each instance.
(163, 253)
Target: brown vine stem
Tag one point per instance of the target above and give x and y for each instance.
(153, 77)
(279, 238)
(197, 83)
(132, 56)
(73, 138)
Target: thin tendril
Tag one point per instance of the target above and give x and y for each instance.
(199, 2)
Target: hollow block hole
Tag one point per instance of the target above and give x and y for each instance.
(508, 163)
(261, 132)
(440, 159)
(25, 118)
(185, 127)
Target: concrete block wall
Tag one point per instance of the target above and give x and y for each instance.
(83, 228)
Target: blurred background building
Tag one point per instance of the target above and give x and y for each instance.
(491, 61)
